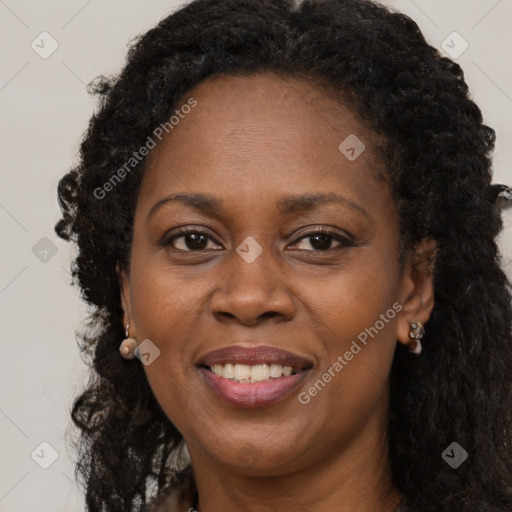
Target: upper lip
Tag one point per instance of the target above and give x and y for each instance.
(260, 354)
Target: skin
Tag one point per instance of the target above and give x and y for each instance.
(250, 141)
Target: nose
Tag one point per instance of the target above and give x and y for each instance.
(252, 292)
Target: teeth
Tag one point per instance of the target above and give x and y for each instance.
(276, 370)
(260, 372)
(254, 373)
(242, 371)
(228, 371)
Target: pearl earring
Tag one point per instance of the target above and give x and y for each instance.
(128, 346)
(416, 331)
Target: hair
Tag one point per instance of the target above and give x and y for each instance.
(437, 152)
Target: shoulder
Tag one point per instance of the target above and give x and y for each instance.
(180, 495)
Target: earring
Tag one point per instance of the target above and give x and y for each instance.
(128, 345)
(416, 331)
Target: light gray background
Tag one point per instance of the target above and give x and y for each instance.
(44, 110)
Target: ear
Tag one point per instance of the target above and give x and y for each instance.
(417, 288)
(124, 286)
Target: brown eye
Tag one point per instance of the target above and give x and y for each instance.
(321, 240)
(190, 240)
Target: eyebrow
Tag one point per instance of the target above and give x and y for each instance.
(213, 206)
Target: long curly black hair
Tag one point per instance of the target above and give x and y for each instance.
(438, 155)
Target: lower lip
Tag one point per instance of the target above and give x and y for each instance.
(257, 394)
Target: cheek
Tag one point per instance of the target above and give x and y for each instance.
(356, 320)
(162, 302)
(165, 311)
(354, 298)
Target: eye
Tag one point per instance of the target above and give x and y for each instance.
(321, 240)
(194, 240)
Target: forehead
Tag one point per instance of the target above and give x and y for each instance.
(253, 137)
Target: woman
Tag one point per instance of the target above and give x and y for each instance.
(286, 212)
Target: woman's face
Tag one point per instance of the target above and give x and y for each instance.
(251, 277)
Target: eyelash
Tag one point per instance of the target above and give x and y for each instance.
(344, 241)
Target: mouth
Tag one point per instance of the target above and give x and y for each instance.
(253, 376)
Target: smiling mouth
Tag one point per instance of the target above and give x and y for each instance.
(253, 376)
(244, 373)
(239, 389)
